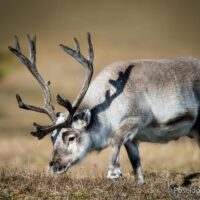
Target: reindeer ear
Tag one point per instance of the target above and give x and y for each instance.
(81, 120)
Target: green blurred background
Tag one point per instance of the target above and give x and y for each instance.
(121, 30)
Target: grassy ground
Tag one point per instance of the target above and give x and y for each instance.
(21, 184)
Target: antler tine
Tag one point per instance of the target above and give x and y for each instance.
(88, 64)
(32, 44)
(30, 107)
(90, 48)
(65, 103)
(42, 131)
(77, 46)
(17, 43)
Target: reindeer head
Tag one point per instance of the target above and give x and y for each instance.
(70, 145)
(68, 130)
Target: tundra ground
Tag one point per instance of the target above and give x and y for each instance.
(26, 184)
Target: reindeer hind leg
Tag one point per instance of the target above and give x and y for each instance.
(134, 157)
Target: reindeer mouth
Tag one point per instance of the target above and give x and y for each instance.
(58, 169)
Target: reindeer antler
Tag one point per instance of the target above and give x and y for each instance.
(48, 108)
(88, 64)
(31, 66)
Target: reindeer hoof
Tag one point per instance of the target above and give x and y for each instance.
(114, 173)
(140, 181)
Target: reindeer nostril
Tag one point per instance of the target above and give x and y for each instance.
(51, 163)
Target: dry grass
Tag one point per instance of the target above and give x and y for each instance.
(22, 184)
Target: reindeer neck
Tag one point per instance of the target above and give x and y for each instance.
(98, 128)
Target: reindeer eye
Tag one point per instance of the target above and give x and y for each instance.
(71, 138)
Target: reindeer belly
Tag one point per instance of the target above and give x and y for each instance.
(163, 133)
(174, 112)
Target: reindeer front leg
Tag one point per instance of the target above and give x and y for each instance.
(114, 170)
(125, 133)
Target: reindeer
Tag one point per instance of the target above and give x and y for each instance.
(129, 102)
